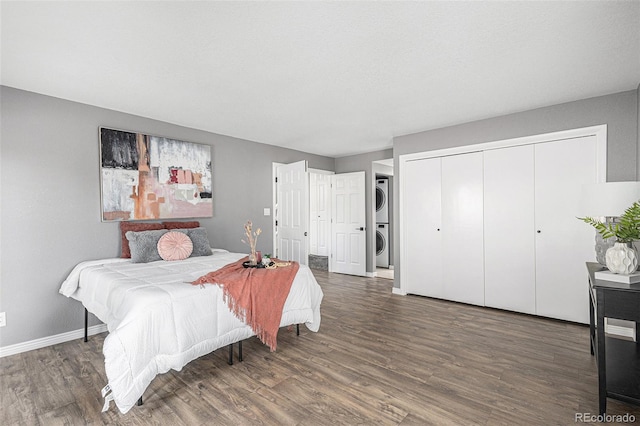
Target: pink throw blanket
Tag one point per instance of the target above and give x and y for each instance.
(255, 295)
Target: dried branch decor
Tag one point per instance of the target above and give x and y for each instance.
(252, 239)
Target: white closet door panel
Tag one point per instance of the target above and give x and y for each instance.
(509, 235)
(462, 228)
(563, 243)
(422, 265)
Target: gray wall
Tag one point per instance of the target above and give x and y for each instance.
(619, 111)
(50, 200)
(358, 163)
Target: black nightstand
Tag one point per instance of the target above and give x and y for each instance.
(618, 360)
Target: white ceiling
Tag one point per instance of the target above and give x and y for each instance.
(331, 78)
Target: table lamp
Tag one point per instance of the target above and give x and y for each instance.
(607, 201)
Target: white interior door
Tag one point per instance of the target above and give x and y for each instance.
(292, 188)
(563, 243)
(348, 236)
(509, 236)
(320, 213)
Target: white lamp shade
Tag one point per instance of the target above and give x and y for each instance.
(609, 199)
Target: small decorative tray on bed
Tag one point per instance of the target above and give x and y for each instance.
(259, 265)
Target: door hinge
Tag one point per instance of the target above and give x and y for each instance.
(276, 179)
(276, 223)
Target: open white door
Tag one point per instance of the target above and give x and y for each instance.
(292, 188)
(348, 236)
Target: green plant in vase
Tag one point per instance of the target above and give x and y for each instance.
(622, 258)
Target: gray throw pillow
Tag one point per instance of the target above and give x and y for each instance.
(144, 245)
(200, 240)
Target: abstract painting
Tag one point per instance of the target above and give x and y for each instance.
(149, 177)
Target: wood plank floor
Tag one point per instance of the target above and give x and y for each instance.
(378, 359)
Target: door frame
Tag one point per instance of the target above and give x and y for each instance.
(599, 131)
(379, 168)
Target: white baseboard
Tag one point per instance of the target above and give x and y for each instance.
(51, 340)
(398, 291)
(390, 266)
(372, 274)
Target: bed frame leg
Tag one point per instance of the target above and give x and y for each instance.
(139, 402)
(240, 351)
(86, 325)
(297, 329)
(230, 361)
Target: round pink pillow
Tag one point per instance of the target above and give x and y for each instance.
(175, 246)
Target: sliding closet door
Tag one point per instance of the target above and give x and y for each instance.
(563, 243)
(462, 228)
(509, 234)
(422, 264)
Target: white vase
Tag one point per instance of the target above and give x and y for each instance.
(622, 259)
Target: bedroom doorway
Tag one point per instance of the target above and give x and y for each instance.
(319, 218)
(383, 214)
(339, 205)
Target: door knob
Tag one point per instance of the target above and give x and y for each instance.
(539, 231)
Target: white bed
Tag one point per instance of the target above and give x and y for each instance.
(157, 321)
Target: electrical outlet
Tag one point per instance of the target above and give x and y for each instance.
(3, 319)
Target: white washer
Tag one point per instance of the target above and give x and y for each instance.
(382, 245)
(382, 200)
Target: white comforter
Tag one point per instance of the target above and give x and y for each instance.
(157, 321)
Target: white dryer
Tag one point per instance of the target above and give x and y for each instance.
(382, 200)
(382, 245)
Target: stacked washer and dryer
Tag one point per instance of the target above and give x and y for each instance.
(382, 222)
